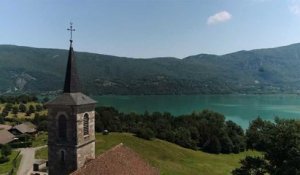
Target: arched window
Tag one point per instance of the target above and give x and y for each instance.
(62, 156)
(86, 124)
(62, 127)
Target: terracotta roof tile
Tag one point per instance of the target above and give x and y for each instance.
(120, 160)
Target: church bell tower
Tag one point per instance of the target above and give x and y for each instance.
(71, 124)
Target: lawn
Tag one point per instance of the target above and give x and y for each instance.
(19, 158)
(40, 140)
(7, 166)
(171, 159)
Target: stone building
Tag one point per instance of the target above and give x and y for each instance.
(71, 130)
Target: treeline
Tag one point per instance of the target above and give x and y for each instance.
(18, 99)
(279, 142)
(206, 130)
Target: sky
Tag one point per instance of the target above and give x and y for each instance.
(151, 28)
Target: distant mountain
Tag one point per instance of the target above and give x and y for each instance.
(275, 70)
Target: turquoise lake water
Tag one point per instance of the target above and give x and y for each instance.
(239, 108)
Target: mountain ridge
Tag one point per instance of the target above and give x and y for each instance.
(268, 70)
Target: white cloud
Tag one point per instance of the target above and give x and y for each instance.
(219, 17)
(295, 9)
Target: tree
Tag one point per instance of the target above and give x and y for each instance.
(28, 113)
(145, 133)
(22, 108)
(282, 146)
(227, 145)
(8, 106)
(15, 110)
(5, 150)
(212, 145)
(38, 108)
(258, 134)
(252, 166)
(31, 109)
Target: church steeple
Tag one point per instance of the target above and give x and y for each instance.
(72, 83)
(71, 124)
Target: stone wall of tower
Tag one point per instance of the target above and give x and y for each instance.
(86, 143)
(85, 153)
(56, 166)
(77, 147)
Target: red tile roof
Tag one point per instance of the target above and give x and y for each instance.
(120, 160)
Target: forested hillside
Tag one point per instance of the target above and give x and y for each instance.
(273, 70)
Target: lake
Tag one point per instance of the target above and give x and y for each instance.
(238, 108)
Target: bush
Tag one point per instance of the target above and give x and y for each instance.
(5, 150)
(21, 144)
(145, 133)
(251, 166)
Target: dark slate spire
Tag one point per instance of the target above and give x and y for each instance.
(72, 83)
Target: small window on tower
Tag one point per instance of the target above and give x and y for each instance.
(62, 156)
(62, 127)
(86, 124)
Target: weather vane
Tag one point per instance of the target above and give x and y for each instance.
(71, 31)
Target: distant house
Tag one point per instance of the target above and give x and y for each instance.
(24, 128)
(118, 160)
(5, 127)
(6, 137)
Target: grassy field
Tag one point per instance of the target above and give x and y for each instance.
(7, 166)
(171, 159)
(40, 140)
(19, 158)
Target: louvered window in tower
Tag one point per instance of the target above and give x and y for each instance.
(86, 124)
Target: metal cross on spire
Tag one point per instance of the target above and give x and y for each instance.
(71, 31)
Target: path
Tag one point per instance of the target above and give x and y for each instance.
(27, 161)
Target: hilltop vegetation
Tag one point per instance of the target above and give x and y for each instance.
(170, 158)
(206, 130)
(273, 70)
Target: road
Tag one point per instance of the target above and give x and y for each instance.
(27, 161)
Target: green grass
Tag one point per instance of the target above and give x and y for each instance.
(171, 159)
(19, 158)
(42, 153)
(7, 166)
(40, 140)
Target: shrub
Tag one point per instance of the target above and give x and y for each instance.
(5, 150)
(21, 144)
(145, 133)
